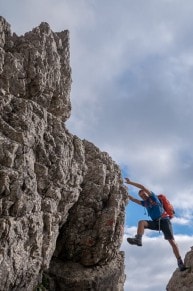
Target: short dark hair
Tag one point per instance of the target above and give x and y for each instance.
(140, 191)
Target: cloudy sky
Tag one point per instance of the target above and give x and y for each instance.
(132, 71)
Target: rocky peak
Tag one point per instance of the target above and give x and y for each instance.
(183, 281)
(62, 200)
(36, 67)
(5, 31)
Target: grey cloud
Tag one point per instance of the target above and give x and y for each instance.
(132, 71)
(140, 262)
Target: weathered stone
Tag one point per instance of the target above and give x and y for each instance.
(61, 198)
(107, 277)
(183, 281)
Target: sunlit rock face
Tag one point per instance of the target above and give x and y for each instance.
(62, 200)
(183, 281)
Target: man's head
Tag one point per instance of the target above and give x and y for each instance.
(143, 194)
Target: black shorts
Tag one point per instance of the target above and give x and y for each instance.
(165, 227)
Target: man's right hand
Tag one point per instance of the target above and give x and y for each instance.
(127, 180)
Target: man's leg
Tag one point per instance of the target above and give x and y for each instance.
(175, 248)
(177, 254)
(167, 229)
(142, 224)
(137, 240)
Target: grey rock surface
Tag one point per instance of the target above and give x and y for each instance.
(183, 281)
(62, 200)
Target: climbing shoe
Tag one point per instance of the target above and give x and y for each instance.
(134, 241)
(181, 265)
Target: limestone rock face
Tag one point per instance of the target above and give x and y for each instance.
(62, 200)
(183, 281)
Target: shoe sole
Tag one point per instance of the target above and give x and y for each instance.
(184, 269)
(131, 242)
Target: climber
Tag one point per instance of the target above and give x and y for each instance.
(155, 210)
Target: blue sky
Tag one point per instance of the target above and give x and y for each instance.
(132, 71)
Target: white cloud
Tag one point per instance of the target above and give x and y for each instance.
(132, 71)
(155, 256)
(181, 220)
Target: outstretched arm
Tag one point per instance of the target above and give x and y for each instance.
(140, 186)
(134, 200)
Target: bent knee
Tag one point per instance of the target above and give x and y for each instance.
(143, 223)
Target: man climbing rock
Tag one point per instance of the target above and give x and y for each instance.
(160, 220)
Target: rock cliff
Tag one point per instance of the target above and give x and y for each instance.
(62, 200)
(183, 281)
